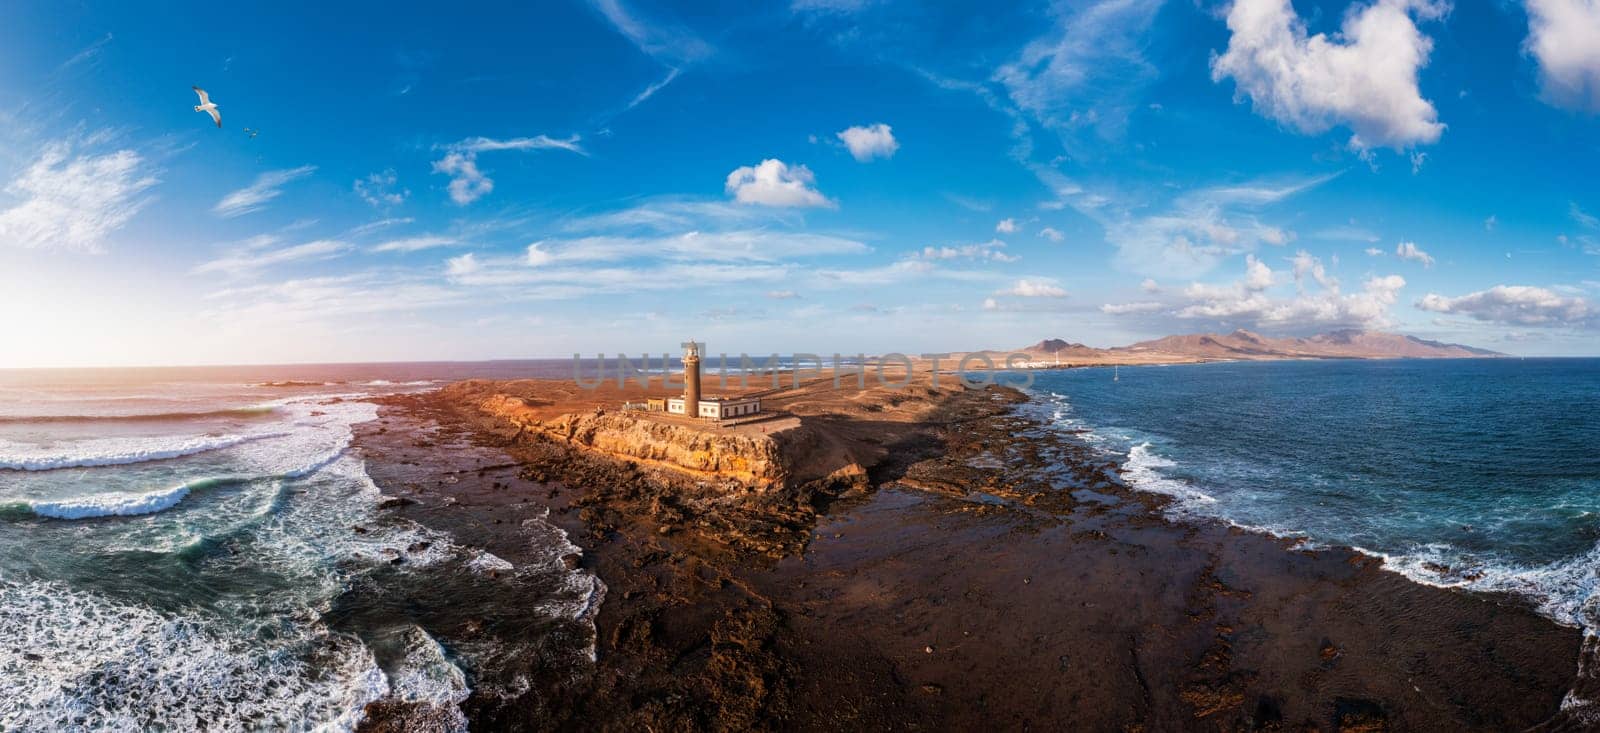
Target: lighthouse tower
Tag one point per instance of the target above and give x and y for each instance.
(691, 378)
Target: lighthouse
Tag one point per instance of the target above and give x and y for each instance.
(691, 378)
(692, 404)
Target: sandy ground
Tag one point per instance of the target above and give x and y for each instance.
(996, 576)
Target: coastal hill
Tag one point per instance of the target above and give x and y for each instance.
(1247, 345)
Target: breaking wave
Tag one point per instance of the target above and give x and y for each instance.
(114, 451)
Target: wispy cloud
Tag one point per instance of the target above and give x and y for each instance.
(251, 259)
(1410, 251)
(468, 183)
(1086, 72)
(659, 40)
(729, 246)
(73, 200)
(415, 244)
(650, 91)
(1035, 288)
(257, 195)
(381, 189)
(89, 53)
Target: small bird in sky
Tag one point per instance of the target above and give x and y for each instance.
(205, 105)
(252, 132)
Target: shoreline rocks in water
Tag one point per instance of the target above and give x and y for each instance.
(773, 598)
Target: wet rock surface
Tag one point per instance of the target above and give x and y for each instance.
(983, 571)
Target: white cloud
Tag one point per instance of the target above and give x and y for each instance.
(1006, 226)
(1374, 252)
(650, 91)
(1305, 264)
(1364, 77)
(462, 266)
(1026, 288)
(775, 183)
(659, 40)
(990, 304)
(868, 142)
(415, 244)
(538, 256)
(991, 251)
(828, 6)
(1257, 276)
(1520, 305)
(257, 195)
(1564, 35)
(782, 294)
(674, 214)
(1583, 218)
(379, 189)
(247, 260)
(1085, 72)
(314, 300)
(468, 183)
(71, 201)
(1150, 286)
(1052, 234)
(1250, 302)
(1410, 251)
(1198, 229)
(1123, 309)
(537, 142)
(696, 246)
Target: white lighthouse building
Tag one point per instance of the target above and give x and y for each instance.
(715, 408)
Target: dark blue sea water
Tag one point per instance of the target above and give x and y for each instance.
(1479, 473)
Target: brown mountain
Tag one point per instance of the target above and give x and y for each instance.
(1063, 349)
(1242, 344)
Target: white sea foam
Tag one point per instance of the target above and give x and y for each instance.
(1143, 470)
(426, 676)
(115, 504)
(114, 451)
(70, 661)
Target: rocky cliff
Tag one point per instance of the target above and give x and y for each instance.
(786, 458)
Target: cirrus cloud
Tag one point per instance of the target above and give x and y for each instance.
(72, 201)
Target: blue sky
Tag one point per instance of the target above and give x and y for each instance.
(467, 182)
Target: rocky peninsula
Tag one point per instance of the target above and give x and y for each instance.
(933, 557)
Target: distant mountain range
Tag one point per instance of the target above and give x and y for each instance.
(1242, 344)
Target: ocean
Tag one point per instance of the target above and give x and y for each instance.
(176, 545)
(177, 553)
(1481, 474)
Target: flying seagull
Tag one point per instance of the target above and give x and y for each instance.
(205, 105)
(251, 133)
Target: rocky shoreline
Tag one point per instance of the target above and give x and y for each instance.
(981, 570)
